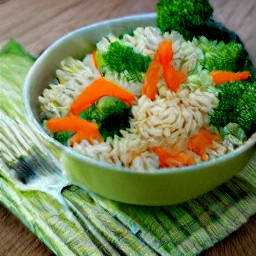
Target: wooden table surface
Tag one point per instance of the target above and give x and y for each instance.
(36, 24)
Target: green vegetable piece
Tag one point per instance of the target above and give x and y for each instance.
(191, 18)
(188, 17)
(245, 110)
(237, 104)
(111, 115)
(14, 48)
(200, 78)
(123, 59)
(15, 63)
(220, 56)
(62, 137)
(234, 134)
(228, 97)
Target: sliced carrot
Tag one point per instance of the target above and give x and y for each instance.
(163, 155)
(89, 130)
(94, 62)
(96, 90)
(220, 77)
(93, 54)
(164, 52)
(72, 123)
(210, 136)
(172, 78)
(168, 159)
(201, 141)
(153, 75)
(80, 135)
(184, 158)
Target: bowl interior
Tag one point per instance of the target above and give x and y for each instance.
(77, 44)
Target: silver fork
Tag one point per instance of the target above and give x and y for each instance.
(27, 162)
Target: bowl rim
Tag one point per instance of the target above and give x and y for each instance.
(98, 163)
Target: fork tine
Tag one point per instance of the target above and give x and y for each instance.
(32, 163)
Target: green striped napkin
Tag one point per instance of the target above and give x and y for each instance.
(91, 225)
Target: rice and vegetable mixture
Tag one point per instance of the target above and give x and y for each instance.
(151, 100)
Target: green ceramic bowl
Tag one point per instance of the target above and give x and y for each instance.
(164, 187)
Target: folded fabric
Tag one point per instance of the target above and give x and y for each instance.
(91, 225)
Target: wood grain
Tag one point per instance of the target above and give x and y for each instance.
(16, 239)
(36, 24)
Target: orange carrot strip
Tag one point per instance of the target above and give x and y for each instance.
(201, 141)
(184, 159)
(96, 90)
(172, 78)
(80, 135)
(168, 159)
(164, 52)
(93, 54)
(208, 135)
(153, 75)
(220, 77)
(94, 58)
(76, 124)
(163, 155)
(94, 62)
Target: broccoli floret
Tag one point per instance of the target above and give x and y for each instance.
(62, 137)
(188, 17)
(111, 115)
(223, 114)
(191, 18)
(220, 56)
(237, 104)
(246, 109)
(123, 59)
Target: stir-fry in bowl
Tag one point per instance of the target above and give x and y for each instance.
(144, 116)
